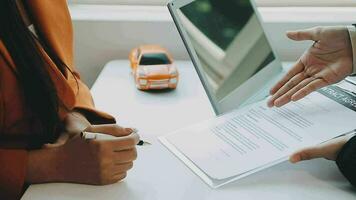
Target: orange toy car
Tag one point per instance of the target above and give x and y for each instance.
(152, 67)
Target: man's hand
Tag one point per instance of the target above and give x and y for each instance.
(328, 61)
(328, 150)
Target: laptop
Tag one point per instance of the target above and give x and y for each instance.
(237, 65)
(230, 50)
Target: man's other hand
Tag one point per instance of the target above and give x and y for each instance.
(329, 150)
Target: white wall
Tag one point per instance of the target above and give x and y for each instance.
(98, 43)
(104, 33)
(280, 19)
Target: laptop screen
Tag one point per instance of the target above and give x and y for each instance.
(228, 40)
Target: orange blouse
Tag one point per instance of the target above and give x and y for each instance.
(52, 21)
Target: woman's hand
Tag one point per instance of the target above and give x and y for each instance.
(328, 150)
(98, 162)
(73, 159)
(327, 62)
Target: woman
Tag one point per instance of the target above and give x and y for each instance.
(44, 106)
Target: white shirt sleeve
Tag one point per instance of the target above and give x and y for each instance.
(352, 32)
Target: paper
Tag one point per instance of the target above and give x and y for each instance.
(252, 138)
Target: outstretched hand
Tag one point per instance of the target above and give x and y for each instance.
(327, 61)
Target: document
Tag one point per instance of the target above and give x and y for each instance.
(255, 137)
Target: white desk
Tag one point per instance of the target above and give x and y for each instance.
(158, 175)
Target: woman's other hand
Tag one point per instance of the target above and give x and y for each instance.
(328, 61)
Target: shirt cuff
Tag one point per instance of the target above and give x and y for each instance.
(346, 161)
(352, 33)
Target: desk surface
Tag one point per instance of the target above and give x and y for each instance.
(158, 175)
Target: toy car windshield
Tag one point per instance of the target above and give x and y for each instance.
(154, 59)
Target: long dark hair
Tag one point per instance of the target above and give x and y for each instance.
(31, 69)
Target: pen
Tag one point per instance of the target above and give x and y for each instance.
(99, 136)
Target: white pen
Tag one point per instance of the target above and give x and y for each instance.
(99, 136)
